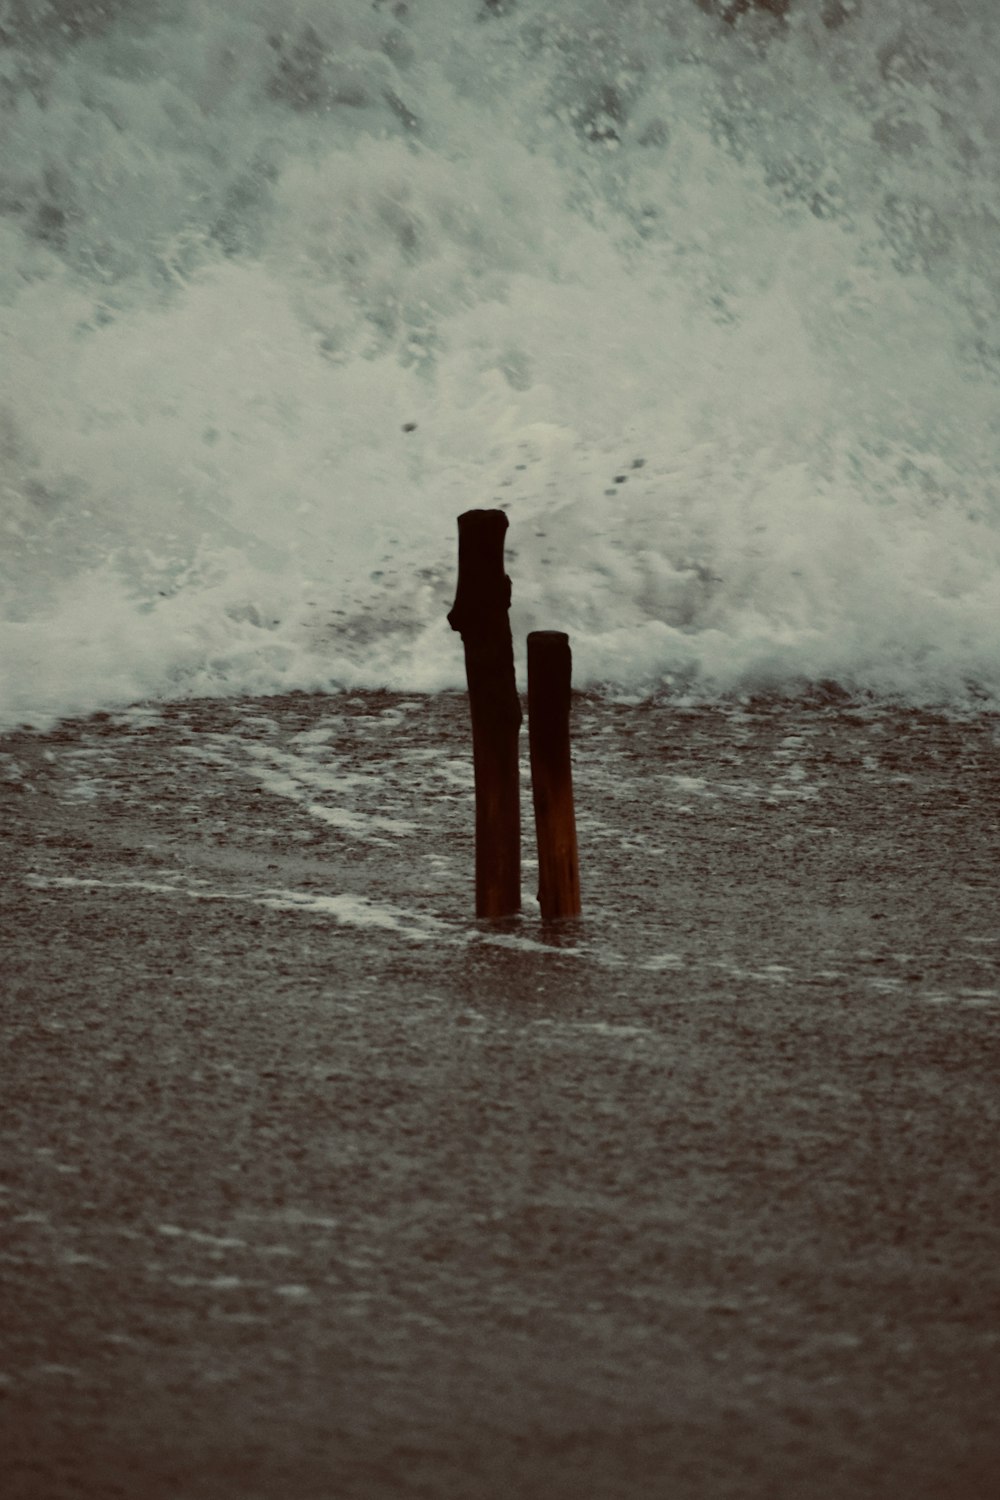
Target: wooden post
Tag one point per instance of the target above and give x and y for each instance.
(550, 666)
(480, 614)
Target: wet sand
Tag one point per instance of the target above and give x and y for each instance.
(314, 1187)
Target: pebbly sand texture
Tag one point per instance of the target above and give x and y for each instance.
(315, 1188)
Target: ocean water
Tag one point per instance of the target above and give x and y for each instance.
(711, 308)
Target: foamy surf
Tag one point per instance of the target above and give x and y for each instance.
(709, 309)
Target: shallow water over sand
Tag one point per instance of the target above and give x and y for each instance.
(316, 1184)
(762, 792)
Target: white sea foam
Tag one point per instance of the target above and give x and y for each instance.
(300, 779)
(711, 310)
(344, 907)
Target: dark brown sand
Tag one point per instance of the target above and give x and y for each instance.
(313, 1189)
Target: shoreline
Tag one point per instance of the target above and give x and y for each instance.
(317, 1186)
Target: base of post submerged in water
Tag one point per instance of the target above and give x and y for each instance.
(550, 666)
(480, 615)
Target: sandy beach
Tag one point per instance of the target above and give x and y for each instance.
(315, 1187)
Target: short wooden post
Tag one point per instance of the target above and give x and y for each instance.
(480, 614)
(550, 666)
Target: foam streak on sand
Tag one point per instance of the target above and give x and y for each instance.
(344, 907)
(710, 309)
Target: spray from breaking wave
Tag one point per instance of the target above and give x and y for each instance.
(711, 307)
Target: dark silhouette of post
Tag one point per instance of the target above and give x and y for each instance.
(550, 666)
(480, 614)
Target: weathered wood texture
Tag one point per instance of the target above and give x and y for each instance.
(550, 666)
(480, 615)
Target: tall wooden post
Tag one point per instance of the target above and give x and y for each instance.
(480, 614)
(550, 666)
